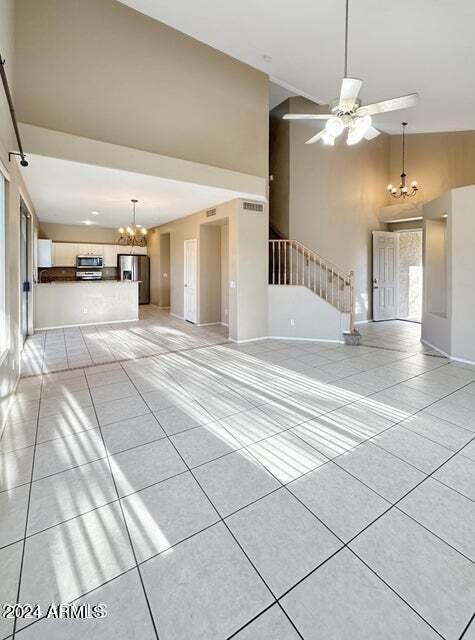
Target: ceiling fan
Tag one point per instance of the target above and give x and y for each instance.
(349, 113)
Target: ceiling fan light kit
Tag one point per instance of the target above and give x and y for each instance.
(349, 113)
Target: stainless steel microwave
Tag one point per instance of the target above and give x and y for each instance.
(97, 262)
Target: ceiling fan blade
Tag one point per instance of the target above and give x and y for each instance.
(307, 116)
(316, 137)
(371, 133)
(404, 102)
(350, 89)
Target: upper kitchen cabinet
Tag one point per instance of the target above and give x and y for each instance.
(90, 249)
(110, 254)
(64, 254)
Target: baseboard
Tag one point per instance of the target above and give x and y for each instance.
(286, 338)
(151, 304)
(432, 346)
(175, 315)
(211, 324)
(362, 321)
(84, 324)
(447, 355)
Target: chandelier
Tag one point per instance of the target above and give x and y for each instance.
(402, 191)
(134, 235)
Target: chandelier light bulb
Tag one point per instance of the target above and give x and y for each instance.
(134, 235)
(414, 183)
(389, 187)
(334, 126)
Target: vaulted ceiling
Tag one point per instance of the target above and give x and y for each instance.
(395, 46)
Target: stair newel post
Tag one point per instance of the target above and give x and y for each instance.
(291, 260)
(273, 262)
(285, 261)
(338, 277)
(351, 299)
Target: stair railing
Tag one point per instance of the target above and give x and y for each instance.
(292, 263)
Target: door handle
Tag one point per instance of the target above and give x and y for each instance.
(185, 285)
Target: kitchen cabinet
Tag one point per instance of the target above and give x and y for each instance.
(44, 253)
(64, 254)
(90, 249)
(110, 254)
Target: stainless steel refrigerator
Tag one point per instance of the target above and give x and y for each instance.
(132, 267)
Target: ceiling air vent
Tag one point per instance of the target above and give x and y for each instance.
(210, 213)
(253, 206)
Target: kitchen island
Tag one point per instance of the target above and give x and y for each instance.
(69, 304)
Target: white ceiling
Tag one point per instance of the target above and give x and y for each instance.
(67, 192)
(396, 47)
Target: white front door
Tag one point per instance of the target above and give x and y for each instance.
(385, 275)
(191, 254)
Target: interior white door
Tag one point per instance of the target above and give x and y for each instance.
(385, 275)
(190, 277)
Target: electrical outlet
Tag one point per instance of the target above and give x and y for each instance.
(292, 322)
(84, 309)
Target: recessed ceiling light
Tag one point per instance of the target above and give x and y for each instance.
(94, 213)
(88, 222)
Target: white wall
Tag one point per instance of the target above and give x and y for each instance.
(463, 274)
(296, 312)
(436, 305)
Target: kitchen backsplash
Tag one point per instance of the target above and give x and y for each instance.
(68, 274)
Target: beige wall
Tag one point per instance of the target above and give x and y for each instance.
(279, 169)
(101, 70)
(10, 363)
(438, 161)
(77, 233)
(335, 197)
(210, 273)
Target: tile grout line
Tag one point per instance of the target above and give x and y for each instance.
(245, 447)
(350, 403)
(467, 627)
(125, 522)
(222, 520)
(20, 573)
(344, 544)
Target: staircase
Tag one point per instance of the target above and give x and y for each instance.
(293, 264)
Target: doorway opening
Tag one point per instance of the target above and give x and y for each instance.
(214, 272)
(410, 275)
(397, 275)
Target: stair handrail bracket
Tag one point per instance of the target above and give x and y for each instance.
(291, 263)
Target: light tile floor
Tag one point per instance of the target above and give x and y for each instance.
(155, 332)
(268, 491)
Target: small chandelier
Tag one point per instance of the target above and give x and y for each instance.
(135, 235)
(402, 191)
